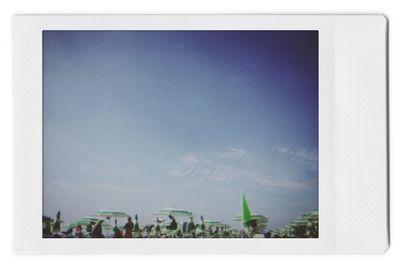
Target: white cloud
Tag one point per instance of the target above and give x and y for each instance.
(287, 184)
(124, 189)
(209, 167)
(110, 187)
(117, 188)
(190, 158)
(59, 183)
(234, 153)
(306, 155)
(217, 167)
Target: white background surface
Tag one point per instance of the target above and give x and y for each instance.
(10, 7)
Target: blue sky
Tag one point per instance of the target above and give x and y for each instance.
(138, 121)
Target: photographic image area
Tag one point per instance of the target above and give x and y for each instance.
(180, 134)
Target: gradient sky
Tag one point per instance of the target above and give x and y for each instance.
(138, 121)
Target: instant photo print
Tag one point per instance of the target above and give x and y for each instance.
(200, 134)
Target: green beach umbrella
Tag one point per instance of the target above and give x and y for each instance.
(82, 222)
(174, 212)
(89, 219)
(300, 222)
(107, 227)
(311, 216)
(258, 217)
(209, 223)
(312, 213)
(245, 211)
(73, 224)
(110, 213)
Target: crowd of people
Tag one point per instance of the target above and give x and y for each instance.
(170, 228)
(131, 229)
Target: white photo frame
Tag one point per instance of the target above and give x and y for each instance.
(353, 152)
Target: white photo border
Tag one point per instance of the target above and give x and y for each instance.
(335, 102)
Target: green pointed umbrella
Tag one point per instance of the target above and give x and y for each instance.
(245, 211)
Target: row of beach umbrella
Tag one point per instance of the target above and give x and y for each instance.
(305, 226)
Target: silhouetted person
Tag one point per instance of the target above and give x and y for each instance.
(47, 230)
(128, 228)
(136, 227)
(148, 229)
(68, 233)
(78, 231)
(97, 230)
(202, 224)
(216, 231)
(89, 228)
(191, 226)
(173, 225)
(157, 228)
(117, 233)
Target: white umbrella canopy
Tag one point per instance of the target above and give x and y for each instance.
(311, 215)
(83, 221)
(174, 212)
(110, 213)
(209, 223)
(258, 217)
(108, 227)
(300, 222)
(73, 224)
(87, 220)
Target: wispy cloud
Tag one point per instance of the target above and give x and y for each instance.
(218, 167)
(210, 166)
(190, 158)
(116, 188)
(305, 155)
(234, 153)
(123, 189)
(59, 183)
(286, 184)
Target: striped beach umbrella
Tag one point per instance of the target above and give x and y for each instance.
(174, 212)
(110, 214)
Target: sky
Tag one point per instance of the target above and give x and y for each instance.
(142, 120)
